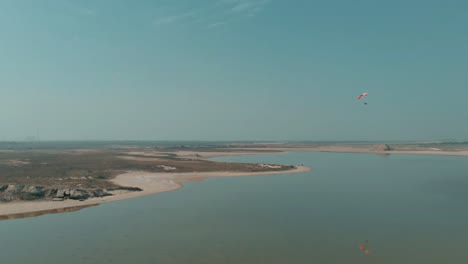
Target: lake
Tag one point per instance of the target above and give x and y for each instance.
(411, 208)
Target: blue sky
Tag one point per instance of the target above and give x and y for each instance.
(233, 70)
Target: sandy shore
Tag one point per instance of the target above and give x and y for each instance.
(151, 183)
(352, 149)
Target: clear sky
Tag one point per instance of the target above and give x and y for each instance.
(233, 69)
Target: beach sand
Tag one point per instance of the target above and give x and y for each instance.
(357, 149)
(150, 183)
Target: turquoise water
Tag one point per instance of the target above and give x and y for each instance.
(412, 209)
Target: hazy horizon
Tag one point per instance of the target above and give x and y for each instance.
(33, 141)
(233, 70)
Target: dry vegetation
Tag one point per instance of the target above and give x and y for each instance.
(91, 169)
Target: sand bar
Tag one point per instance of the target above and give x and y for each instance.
(151, 183)
(352, 149)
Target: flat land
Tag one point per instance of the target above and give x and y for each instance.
(40, 181)
(112, 173)
(94, 168)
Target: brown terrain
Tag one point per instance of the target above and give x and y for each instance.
(87, 173)
(79, 174)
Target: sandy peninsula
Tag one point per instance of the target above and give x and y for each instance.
(150, 183)
(160, 169)
(379, 149)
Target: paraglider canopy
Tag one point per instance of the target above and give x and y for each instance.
(362, 95)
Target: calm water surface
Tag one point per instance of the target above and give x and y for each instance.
(412, 209)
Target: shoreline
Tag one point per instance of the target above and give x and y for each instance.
(151, 183)
(345, 149)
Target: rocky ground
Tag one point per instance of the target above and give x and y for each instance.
(14, 192)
